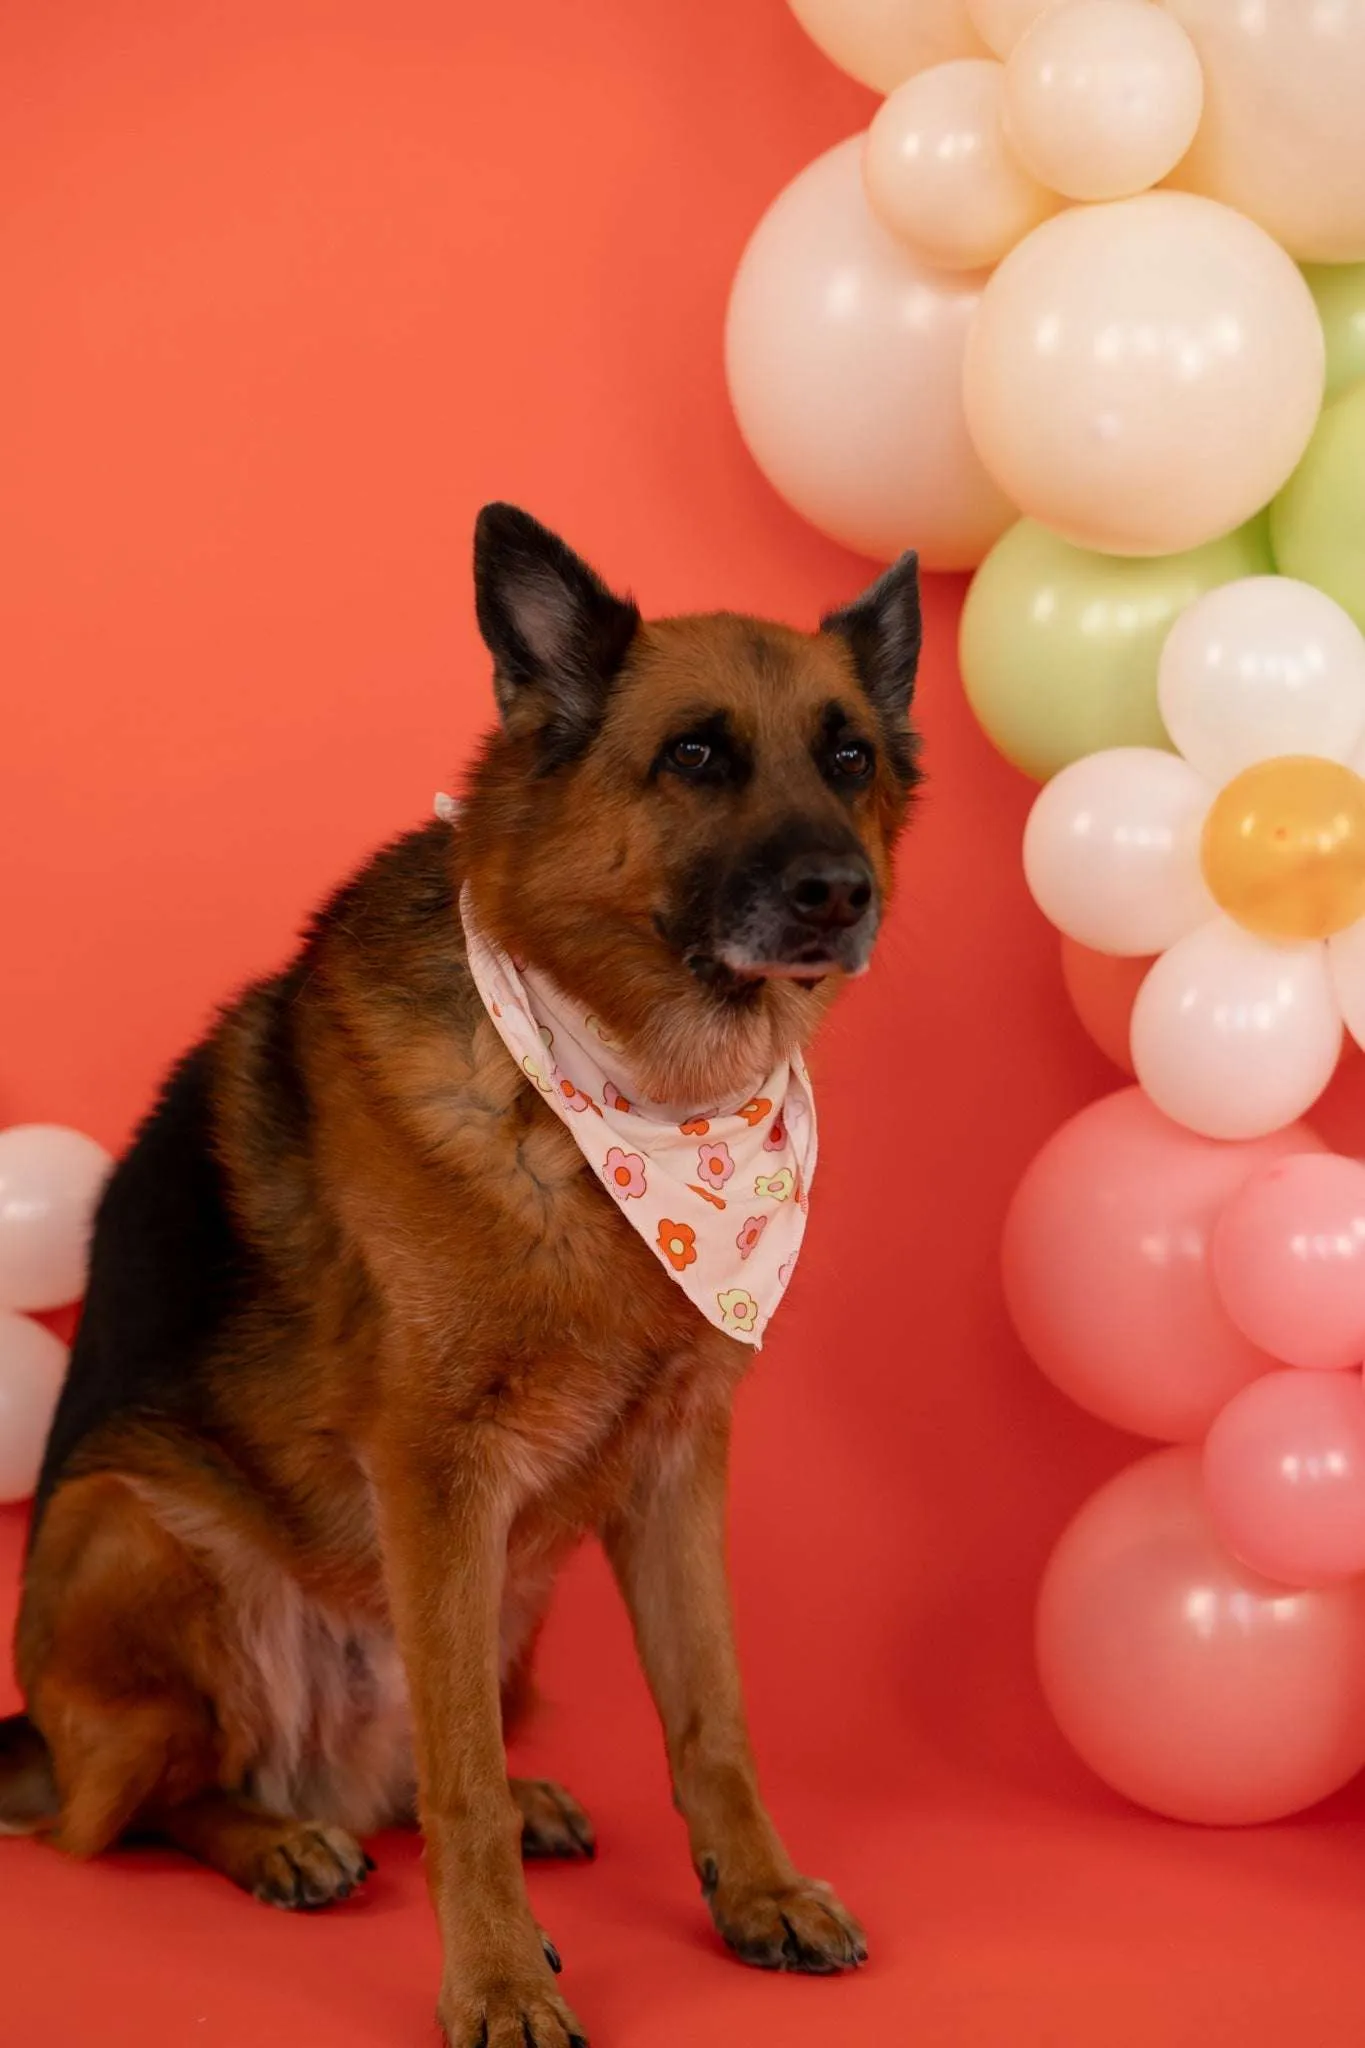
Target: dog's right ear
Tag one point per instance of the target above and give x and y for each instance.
(557, 635)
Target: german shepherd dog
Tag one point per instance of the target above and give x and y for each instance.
(367, 1348)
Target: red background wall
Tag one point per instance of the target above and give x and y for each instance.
(290, 288)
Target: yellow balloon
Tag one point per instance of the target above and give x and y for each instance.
(1284, 848)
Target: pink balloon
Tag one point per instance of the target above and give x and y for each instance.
(1106, 1266)
(1289, 1260)
(1183, 1679)
(1284, 1470)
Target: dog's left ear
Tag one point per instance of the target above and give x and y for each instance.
(883, 631)
(557, 635)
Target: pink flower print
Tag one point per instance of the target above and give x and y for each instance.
(785, 1270)
(571, 1097)
(614, 1099)
(739, 1311)
(714, 1165)
(625, 1174)
(778, 1187)
(751, 1233)
(777, 1136)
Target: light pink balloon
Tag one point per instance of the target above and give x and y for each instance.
(1289, 1260)
(1185, 1680)
(1284, 1471)
(50, 1181)
(844, 358)
(32, 1367)
(1106, 1266)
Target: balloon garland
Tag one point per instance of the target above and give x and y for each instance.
(1084, 311)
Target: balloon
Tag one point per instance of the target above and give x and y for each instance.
(883, 42)
(1284, 848)
(1102, 97)
(1346, 954)
(1106, 1267)
(1002, 22)
(1143, 375)
(1111, 850)
(50, 1180)
(1058, 646)
(32, 1367)
(1103, 990)
(939, 174)
(1284, 1472)
(1339, 294)
(1289, 1261)
(1183, 1679)
(1317, 524)
(1234, 1037)
(844, 358)
(1263, 667)
(1282, 137)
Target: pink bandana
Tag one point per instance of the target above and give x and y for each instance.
(720, 1197)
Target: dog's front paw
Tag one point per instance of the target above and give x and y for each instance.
(796, 1926)
(510, 2015)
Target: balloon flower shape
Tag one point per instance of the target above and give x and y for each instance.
(1239, 860)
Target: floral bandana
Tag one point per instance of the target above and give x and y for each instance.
(719, 1196)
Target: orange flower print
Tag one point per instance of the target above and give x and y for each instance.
(624, 1173)
(678, 1243)
(754, 1110)
(777, 1136)
(714, 1165)
(706, 1195)
(614, 1099)
(751, 1233)
(695, 1127)
(739, 1310)
(573, 1098)
(778, 1187)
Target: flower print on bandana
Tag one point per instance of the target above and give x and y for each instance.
(624, 1174)
(669, 1167)
(751, 1233)
(738, 1308)
(715, 1165)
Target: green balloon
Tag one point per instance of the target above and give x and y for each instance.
(1317, 524)
(1059, 646)
(1339, 289)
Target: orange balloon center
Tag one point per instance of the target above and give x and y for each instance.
(1284, 848)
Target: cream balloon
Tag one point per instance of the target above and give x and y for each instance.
(844, 359)
(1000, 23)
(939, 173)
(50, 1180)
(32, 1367)
(1111, 850)
(1102, 97)
(1283, 133)
(1234, 1037)
(1143, 375)
(883, 42)
(1346, 954)
(1262, 667)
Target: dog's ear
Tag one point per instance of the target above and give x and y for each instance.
(882, 629)
(557, 635)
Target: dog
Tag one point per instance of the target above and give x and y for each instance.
(371, 1342)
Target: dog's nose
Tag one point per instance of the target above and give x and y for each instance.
(830, 892)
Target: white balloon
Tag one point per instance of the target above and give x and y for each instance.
(1262, 667)
(883, 42)
(50, 1181)
(32, 1367)
(1234, 1037)
(1346, 961)
(1002, 22)
(1111, 850)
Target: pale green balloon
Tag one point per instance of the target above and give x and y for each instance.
(1317, 524)
(1339, 289)
(1059, 646)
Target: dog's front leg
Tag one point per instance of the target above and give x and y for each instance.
(446, 1501)
(667, 1547)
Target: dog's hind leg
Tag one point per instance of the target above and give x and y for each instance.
(288, 1863)
(28, 1790)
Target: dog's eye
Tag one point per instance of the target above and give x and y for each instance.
(688, 755)
(852, 761)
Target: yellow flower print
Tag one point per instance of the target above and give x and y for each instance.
(537, 1073)
(778, 1187)
(739, 1310)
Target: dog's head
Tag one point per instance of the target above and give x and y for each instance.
(686, 822)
